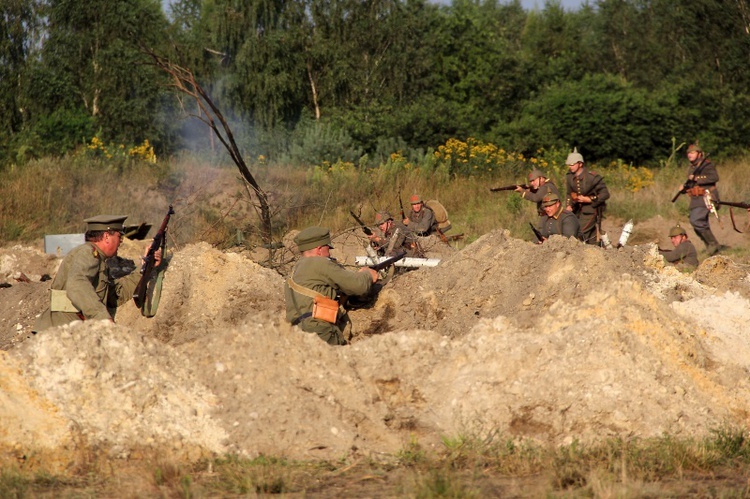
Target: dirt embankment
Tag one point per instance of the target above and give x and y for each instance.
(555, 342)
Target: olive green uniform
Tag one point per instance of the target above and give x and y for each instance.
(84, 278)
(328, 278)
(684, 256)
(589, 214)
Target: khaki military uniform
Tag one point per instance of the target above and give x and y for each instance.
(537, 195)
(563, 223)
(589, 214)
(324, 276)
(84, 290)
(684, 256)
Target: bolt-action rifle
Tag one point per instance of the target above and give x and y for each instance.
(691, 182)
(538, 234)
(509, 187)
(388, 261)
(744, 206)
(364, 227)
(401, 205)
(160, 241)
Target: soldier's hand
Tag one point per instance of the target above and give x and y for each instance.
(519, 189)
(405, 221)
(373, 273)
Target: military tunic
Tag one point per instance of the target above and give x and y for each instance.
(587, 184)
(707, 178)
(422, 223)
(563, 223)
(328, 278)
(684, 256)
(537, 195)
(395, 238)
(84, 277)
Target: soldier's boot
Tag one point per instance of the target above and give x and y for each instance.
(712, 245)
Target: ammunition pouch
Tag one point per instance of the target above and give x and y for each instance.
(325, 309)
(696, 191)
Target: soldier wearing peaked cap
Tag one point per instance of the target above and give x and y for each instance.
(313, 291)
(420, 220)
(684, 255)
(586, 198)
(539, 186)
(83, 288)
(557, 220)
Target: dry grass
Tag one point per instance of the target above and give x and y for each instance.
(212, 204)
(714, 466)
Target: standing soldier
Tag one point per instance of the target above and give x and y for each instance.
(312, 291)
(587, 196)
(556, 219)
(539, 187)
(683, 256)
(703, 174)
(83, 288)
(420, 219)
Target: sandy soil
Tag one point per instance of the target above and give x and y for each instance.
(554, 342)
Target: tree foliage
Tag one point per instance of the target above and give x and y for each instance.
(617, 78)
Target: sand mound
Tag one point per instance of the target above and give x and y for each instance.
(554, 342)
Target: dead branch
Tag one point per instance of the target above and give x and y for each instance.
(183, 80)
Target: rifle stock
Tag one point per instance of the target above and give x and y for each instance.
(139, 296)
(364, 227)
(508, 187)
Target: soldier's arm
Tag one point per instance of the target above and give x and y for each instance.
(349, 282)
(599, 192)
(80, 289)
(709, 175)
(125, 287)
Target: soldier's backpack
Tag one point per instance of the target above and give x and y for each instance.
(441, 214)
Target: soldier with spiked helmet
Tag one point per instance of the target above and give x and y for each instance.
(702, 178)
(538, 187)
(587, 196)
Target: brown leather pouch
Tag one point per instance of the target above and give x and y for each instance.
(325, 309)
(696, 191)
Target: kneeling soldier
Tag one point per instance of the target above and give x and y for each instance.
(684, 256)
(313, 290)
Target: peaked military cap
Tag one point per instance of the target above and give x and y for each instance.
(312, 237)
(550, 199)
(106, 222)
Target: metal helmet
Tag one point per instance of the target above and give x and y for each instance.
(382, 217)
(574, 157)
(695, 148)
(535, 174)
(677, 231)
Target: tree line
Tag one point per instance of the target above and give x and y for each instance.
(617, 78)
